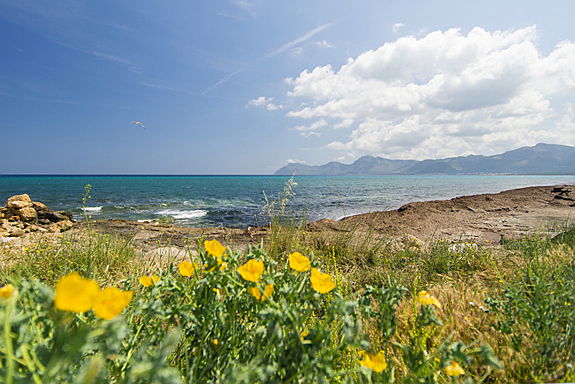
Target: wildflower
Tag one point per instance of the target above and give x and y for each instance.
(257, 293)
(454, 369)
(425, 298)
(148, 281)
(75, 293)
(321, 282)
(187, 269)
(7, 291)
(111, 302)
(217, 291)
(375, 362)
(215, 342)
(299, 262)
(303, 335)
(252, 270)
(214, 248)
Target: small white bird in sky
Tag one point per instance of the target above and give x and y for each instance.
(139, 123)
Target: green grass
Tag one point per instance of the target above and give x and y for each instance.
(517, 298)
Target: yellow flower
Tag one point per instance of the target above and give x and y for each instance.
(215, 342)
(376, 362)
(214, 248)
(257, 293)
(252, 270)
(454, 369)
(187, 269)
(75, 294)
(146, 281)
(111, 302)
(217, 291)
(425, 298)
(299, 262)
(303, 335)
(7, 291)
(321, 282)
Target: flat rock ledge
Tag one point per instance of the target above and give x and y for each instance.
(21, 215)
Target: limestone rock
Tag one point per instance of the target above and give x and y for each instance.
(23, 197)
(18, 204)
(27, 214)
(39, 207)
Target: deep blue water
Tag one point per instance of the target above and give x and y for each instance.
(238, 201)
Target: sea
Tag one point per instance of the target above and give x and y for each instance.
(242, 201)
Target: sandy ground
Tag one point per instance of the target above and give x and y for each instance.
(479, 218)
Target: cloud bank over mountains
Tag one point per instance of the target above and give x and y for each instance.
(444, 94)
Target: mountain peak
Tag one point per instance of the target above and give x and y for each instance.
(541, 158)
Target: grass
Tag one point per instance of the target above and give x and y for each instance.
(517, 298)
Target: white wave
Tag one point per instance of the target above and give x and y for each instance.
(92, 209)
(179, 214)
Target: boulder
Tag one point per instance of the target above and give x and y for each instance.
(27, 214)
(23, 197)
(18, 204)
(39, 207)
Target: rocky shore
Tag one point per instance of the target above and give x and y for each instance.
(21, 215)
(485, 218)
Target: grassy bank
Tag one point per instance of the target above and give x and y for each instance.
(515, 299)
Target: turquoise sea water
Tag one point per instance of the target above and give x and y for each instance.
(237, 201)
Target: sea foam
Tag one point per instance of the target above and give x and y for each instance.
(181, 214)
(92, 209)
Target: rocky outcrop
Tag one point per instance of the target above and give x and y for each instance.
(21, 215)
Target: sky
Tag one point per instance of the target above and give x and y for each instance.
(247, 86)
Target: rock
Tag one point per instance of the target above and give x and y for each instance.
(17, 232)
(55, 216)
(24, 197)
(60, 226)
(39, 207)
(17, 204)
(27, 214)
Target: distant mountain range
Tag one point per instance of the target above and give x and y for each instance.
(541, 159)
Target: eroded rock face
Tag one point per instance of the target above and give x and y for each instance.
(21, 215)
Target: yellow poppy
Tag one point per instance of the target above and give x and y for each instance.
(299, 262)
(111, 302)
(214, 248)
(454, 369)
(187, 269)
(375, 362)
(75, 294)
(257, 293)
(146, 281)
(252, 270)
(7, 291)
(321, 282)
(425, 298)
(155, 278)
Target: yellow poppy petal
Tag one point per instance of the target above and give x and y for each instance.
(75, 293)
(111, 302)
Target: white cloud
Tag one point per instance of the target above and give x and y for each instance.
(324, 44)
(311, 130)
(444, 94)
(265, 102)
(308, 35)
(295, 161)
(397, 26)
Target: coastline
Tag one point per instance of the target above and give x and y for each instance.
(482, 218)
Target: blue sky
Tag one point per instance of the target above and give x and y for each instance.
(244, 86)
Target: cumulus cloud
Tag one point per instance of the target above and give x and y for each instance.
(265, 102)
(444, 94)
